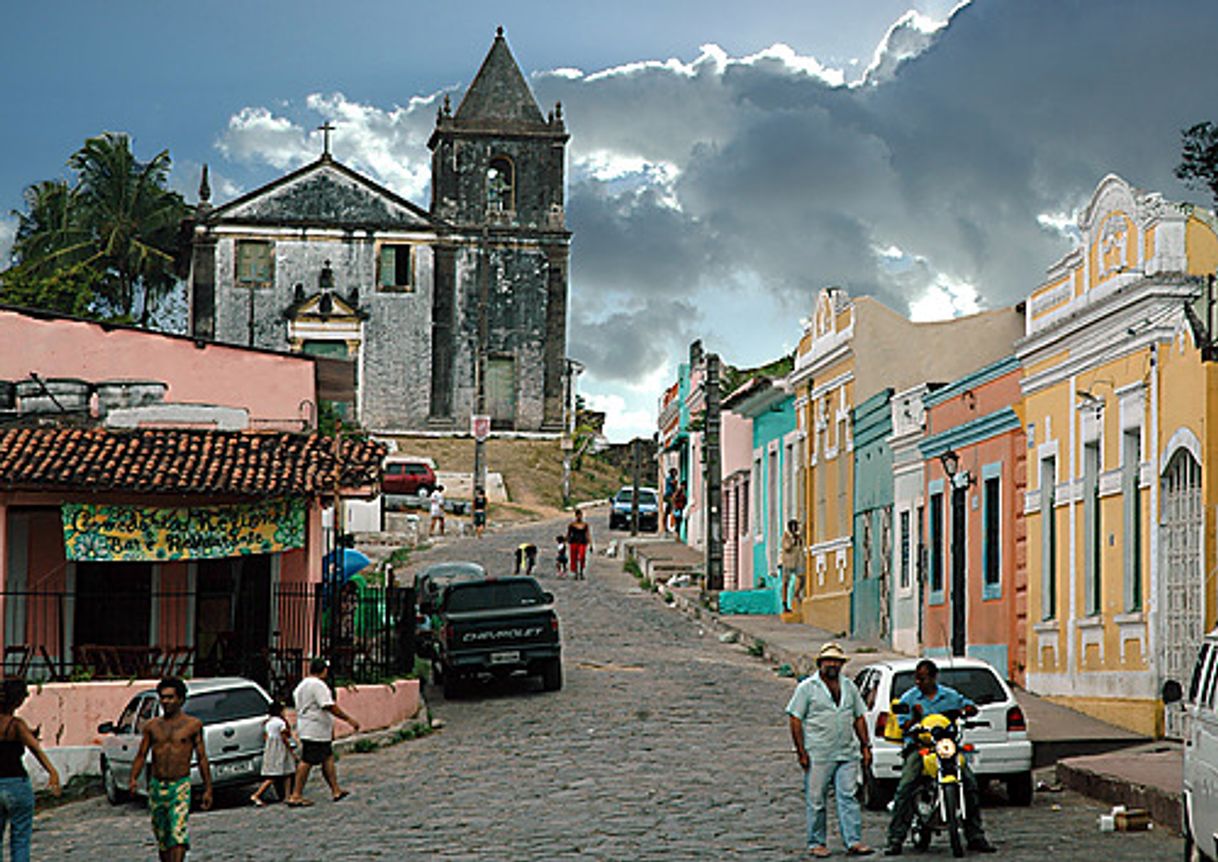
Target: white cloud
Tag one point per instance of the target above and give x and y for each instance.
(945, 298)
(388, 144)
(1060, 223)
(621, 422)
(712, 59)
(909, 36)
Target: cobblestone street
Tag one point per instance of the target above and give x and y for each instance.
(663, 744)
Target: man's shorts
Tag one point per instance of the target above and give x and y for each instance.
(480, 518)
(314, 752)
(169, 805)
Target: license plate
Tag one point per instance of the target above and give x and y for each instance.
(227, 770)
(511, 657)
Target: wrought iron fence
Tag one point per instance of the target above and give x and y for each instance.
(367, 633)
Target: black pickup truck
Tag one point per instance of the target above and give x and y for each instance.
(497, 627)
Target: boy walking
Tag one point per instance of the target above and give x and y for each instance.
(171, 739)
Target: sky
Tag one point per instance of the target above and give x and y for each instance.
(726, 161)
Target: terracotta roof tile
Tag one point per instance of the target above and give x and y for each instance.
(176, 461)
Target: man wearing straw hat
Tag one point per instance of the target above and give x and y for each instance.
(830, 734)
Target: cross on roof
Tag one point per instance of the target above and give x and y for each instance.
(326, 128)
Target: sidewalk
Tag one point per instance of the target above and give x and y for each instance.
(1146, 776)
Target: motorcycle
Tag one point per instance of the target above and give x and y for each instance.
(939, 803)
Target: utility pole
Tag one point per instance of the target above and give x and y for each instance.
(634, 478)
(480, 358)
(714, 477)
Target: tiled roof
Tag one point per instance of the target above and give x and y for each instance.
(178, 461)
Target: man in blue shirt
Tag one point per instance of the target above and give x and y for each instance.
(927, 697)
(829, 728)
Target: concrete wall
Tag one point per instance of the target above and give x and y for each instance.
(269, 387)
(67, 716)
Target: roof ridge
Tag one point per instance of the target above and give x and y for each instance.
(499, 91)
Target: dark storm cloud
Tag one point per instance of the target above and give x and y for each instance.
(766, 172)
(1013, 110)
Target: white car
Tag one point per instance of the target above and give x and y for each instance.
(1200, 801)
(1002, 748)
(233, 711)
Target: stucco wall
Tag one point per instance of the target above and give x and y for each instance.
(269, 387)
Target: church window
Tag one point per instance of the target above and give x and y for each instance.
(255, 263)
(396, 271)
(501, 185)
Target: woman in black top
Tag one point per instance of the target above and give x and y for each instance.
(16, 794)
(479, 511)
(579, 538)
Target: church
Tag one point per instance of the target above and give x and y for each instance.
(445, 312)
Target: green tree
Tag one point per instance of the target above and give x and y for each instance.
(115, 229)
(1199, 157)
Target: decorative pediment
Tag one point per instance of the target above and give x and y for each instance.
(324, 194)
(325, 306)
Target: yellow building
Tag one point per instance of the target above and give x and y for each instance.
(852, 349)
(1116, 398)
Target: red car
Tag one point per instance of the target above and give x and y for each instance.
(408, 476)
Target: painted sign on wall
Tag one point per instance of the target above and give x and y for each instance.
(145, 533)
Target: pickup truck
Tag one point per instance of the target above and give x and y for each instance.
(498, 627)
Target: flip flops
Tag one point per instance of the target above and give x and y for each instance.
(859, 850)
(342, 795)
(298, 803)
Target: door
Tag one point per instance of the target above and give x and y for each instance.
(959, 572)
(865, 597)
(1181, 520)
(501, 391)
(120, 745)
(884, 575)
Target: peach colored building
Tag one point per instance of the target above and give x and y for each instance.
(975, 469)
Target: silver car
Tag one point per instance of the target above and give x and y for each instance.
(233, 711)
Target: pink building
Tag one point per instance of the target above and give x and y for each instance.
(737, 441)
(976, 586)
(160, 501)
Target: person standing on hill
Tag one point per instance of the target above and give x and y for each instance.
(437, 511)
(792, 555)
(579, 539)
(479, 506)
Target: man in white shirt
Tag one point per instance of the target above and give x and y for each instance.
(315, 714)
(437, 510)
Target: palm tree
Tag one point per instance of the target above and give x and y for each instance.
(118, 220)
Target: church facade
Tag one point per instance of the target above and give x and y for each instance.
(455, 310)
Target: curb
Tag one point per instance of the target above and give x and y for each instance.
(694, 610)
(1164, 806)
(411, 728)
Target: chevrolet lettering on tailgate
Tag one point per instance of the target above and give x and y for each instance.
(499, 634)
(497, 627)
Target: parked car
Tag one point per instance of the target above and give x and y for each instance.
(497, 627)
(404, 474)
(999, 733)
(1199, 810)
(429, 585)
(232, 710)
(649, 509)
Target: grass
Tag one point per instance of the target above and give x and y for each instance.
(531, 469)
(757, 648)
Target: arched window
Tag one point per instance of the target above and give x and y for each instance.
(501, 185)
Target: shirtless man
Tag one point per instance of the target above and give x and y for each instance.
(172, 738)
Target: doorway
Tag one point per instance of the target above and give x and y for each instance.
(232, 613)
(501, 391)
(959, 572)
(113, 604)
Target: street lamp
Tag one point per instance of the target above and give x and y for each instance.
(951, 466)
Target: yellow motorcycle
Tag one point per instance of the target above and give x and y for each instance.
(939, 804)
